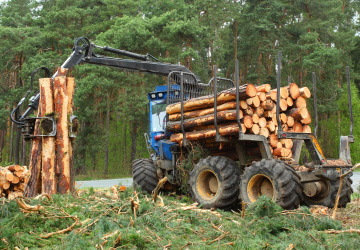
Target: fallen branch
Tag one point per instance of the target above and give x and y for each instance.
(63, 230)
(332, 231)
(156, 190)
(218, 238)
(25, 208)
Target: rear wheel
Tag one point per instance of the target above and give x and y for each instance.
(274, 179)
(144, 174)
(214, 182)
(327, 193)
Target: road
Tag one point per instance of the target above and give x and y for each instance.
(128, 182)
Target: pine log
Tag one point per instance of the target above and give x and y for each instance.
(265, 132)
(273, 140)
(253, 101)
(70, 88)
(15, 180)
(255, 129)
(14, 168)
(294, 90)
(248, 111)
(197, 113)
(268, 114)
(247, 121)
(284, 93)
(5, 176)
(15, 194)
(270, 126)
(33, 186)
(271, 96)
(306, 120)
(262, 96)
(279, 145)
(48, 143)
(268, 105)
(245, 91)
(290, 121)
(259, 111)
(283, 104)
(62, 137)
(226, 115)
(263, 88)
(282, 152)
(289, 101)
(225, 130)
(284, 127)
(243, 104)
(6, 185)
(262, 122)
(298, 128)
(298, 113)
(300, 102)
(283, 118)
(306, 129)
(255, 118)
(305, 92)
(287, 143)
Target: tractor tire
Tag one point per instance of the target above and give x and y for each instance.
(327, 198)
(214, 182)
(272, 178)
(144, 174)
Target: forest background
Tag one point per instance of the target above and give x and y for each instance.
(314, 36)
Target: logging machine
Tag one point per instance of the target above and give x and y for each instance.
(217, 181)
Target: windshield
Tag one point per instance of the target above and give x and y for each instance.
(158, 116)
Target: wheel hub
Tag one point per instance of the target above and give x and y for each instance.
(260, 185)
(207, 184)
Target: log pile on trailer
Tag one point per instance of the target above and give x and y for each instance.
(257, 114)
(13, 181)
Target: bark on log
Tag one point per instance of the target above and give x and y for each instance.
(70, 88)
(62, 136)
(259, 111)
(46, 106)
(268, 105)
(33, 186)
(245, 91)
(225, 130)
(298, 113)
(248, 111)
(227, 115)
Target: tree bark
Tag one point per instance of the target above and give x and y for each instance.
(62, 136)
(107, 135)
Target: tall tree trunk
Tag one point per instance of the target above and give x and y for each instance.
(107, 134)
(133, 139)
(23, 162)
(2, 137)
(12, 141)
(17, 146)
(125, 130)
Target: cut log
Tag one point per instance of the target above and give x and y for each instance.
(300, 102)
(197, 113)
(245, 91)
(290, 101)
(225, 130)
(282, 152)
(247, 121)
(255, 129)
(306, 129)
(268, 105)
(273, 140)
(279, 145)
(264, 132)
(15, 180)
(270, 126)
(284, 93)
(48, 143)
(62, 137)
(262, 122)
(298, 113)
(271, 96)
(259, 111)
(298, 128)
(306, 120)
(284, 127)
(248, 111)
(253, 101)
(305, 92)
(227, 115)
(290, 121)
(70, 88)
(283, 118)
(268, 114)
(294, 91)
(287, 143)
(255, 118)
(243, 104)
(262, 96)
(14, 168)
(263, 88)
(283, 105)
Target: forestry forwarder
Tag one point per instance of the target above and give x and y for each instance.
(218, 181)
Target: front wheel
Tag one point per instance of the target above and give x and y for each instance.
(214, 182)
(144, 174)
(274, 179)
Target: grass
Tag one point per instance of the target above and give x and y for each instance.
(106, 222)
(99, 175)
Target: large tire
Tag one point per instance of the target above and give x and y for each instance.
(214, 182)
(144, 174)
(272, 178)
(327, 198)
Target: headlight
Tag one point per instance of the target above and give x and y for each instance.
(160, 95)
(153, 96)
(177, 93)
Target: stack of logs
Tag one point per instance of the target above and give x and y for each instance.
(257, 113)
(13, 181)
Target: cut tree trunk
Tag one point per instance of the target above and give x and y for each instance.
(46, 106)
(62, 136)
(70, 88)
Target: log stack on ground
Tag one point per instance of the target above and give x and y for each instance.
(13, 181)
(257, 115)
